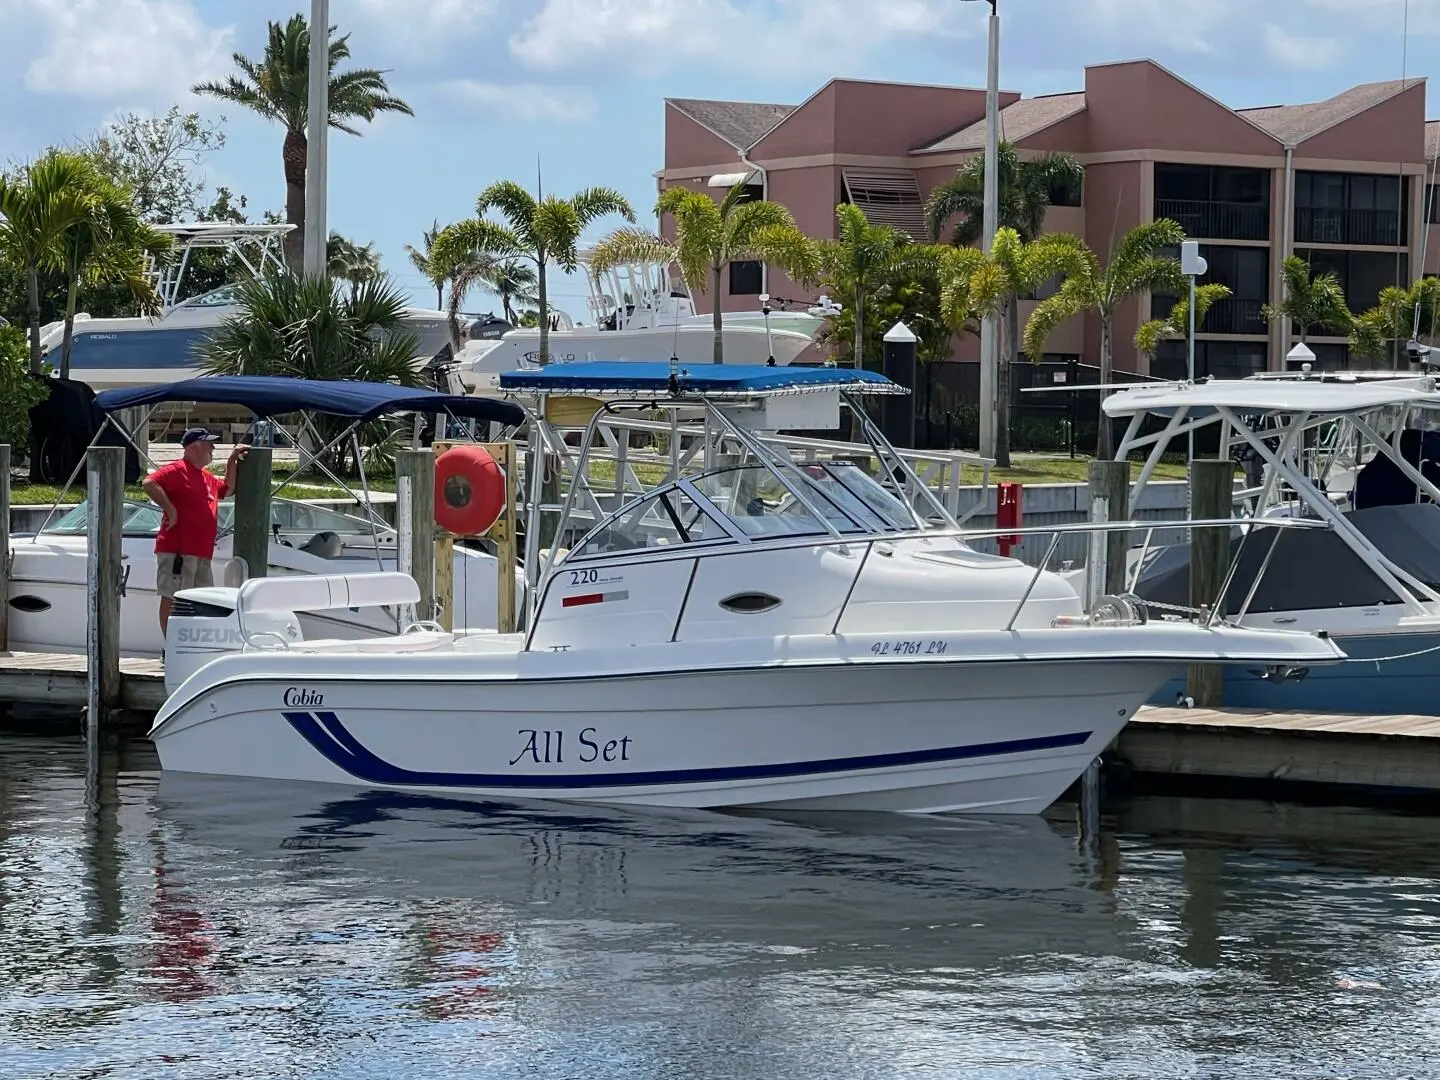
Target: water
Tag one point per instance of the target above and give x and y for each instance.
(191, 928)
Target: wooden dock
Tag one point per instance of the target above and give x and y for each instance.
(1388, 753)
(60, 679)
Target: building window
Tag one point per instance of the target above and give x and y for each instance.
(1046, 289)
(1432, 204)
(1350, 208)
(1245, 271)
(752, 193)
(747, 278)
(1362, 274)
(1214, 202)
(1068, 194)
(1217, 359)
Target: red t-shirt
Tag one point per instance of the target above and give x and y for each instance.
(196, 495)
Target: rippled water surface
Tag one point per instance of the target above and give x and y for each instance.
(188, 927)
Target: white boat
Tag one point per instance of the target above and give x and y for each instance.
(140, 350)
(760, 632)
(652, 321)
(1357, 454)
(48, 570)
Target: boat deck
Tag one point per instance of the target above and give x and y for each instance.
(60, 679)
(1352, 749)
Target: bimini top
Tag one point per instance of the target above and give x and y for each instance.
(634, 379)
(1261, 396)
(274, 395)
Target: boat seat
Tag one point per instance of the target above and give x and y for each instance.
(419, 641)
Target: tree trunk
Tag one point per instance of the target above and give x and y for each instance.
(294, 153)
(857, 358)
(32, 313)
(439, 297)
(543, 296)
(718, 350)
(1104, 444)
(69, 335)
(1004, 359)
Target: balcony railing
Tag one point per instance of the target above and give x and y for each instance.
(1376, 228)
(1232, 315)
(1217, 220)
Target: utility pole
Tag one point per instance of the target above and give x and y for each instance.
(317, 131)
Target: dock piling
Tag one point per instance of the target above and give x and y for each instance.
(105, 490)
(415, 523)
(5, 548)
(252, 511)
(1110, 481)
(1212, 484)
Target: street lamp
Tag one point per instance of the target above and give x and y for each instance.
(317, 127)
(769, 345)
(989, 337)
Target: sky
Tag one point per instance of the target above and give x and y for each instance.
(581, 83)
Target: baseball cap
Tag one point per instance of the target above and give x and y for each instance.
(198, 434)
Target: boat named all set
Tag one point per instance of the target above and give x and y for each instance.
(548, 747)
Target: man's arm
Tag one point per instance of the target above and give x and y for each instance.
(152, 488)
(237, 455)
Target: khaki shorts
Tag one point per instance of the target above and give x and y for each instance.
(193, 572)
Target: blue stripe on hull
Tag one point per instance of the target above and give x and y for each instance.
(1408, 686)
(325, 732)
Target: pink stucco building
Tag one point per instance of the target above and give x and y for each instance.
(1344, 182)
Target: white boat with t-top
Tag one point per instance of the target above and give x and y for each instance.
(750, 631)
(48, 571)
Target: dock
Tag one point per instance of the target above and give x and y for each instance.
(1384, 753)
(61, 679)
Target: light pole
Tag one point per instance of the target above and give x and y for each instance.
(989, 326)
(769, 345)
(317, 127)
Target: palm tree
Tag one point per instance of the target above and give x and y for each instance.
(37, 204)
(1398, 315)
(1136, 265)
(278, 88)
(977, 284)
(541, 230)
(424, 261)
(1024, 195)
(708, 237)
(108, 243)
(514, 283)
(1177, 324)
(862, 259)
(346, 260)
(1311, 302)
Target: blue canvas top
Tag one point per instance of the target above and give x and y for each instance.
(703, 380)
(274, 395)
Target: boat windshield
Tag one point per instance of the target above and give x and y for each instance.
(224, 296)
(754, 503)
(143, 519)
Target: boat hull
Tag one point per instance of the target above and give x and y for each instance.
(1004, 738)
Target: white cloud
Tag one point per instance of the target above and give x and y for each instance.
(799, 36)
(1301, 53)
(135, 49)
(521, 101)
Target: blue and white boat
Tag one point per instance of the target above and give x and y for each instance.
(1354, 453)
(142, 350)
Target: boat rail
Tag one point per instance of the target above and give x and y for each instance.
(870, 542)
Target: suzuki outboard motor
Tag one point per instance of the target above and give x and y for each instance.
(203, 625)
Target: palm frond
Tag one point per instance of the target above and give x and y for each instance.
(631, 245)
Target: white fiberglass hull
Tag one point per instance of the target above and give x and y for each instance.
(822, 722)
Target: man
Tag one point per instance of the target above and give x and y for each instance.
(189, 496)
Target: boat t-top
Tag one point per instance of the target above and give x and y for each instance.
(738, 628)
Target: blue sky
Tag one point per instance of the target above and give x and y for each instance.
(581, 82)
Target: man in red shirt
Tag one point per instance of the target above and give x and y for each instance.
(189, 495)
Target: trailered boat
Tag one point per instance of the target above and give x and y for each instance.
(752, 631)
(48, 570)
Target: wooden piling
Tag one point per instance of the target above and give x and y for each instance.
(252, 511)
(1110, 482)
(105, 490)
(415, 523)
(1212, 484)
(4, 548)
(503, 533)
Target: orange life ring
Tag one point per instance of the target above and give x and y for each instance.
(469, 490)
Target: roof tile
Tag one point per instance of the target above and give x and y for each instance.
(740, 123)
(1293, 124)
(1018, 121)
